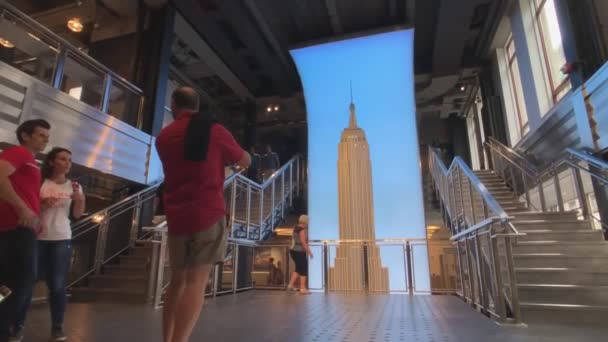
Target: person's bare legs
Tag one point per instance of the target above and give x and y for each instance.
(190, 302)
(292, 282)
(303, 287)
(174, 292)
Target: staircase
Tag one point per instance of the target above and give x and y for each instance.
(127, 277)
(124, 279)
(561, 264)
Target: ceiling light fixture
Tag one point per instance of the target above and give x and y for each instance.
(276, 108)
(6, 43)
(75, 25)
(463, 88)
(269, 109)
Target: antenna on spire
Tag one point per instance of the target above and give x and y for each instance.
(351, 91)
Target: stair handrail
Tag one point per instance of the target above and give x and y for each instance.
(444, 179)
(509, 164)
(268, 221)
(471, 232)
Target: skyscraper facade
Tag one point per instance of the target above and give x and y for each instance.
(356, 216)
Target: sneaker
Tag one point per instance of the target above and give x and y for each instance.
(58, 335)
(305, 292)
(16, 335)
(291, 288)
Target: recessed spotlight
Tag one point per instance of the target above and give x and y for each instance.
(6, 43)
(463, 88)
(276, 108)
(269, 109)
(75, 25)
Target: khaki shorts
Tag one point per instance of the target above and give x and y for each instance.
(203, 248)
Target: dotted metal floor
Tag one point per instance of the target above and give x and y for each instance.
(280, 316)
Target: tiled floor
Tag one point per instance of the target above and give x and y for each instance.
(279, 316)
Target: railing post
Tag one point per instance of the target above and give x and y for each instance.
(272, 198)
(107, 91)
(513, 183)
(283, 198)
(472, 198)
(135, 222)
(160, 274)
(527, 190)
(232, 207)
(58, 71)
(480, 274)
(516, 309)
(235, 268)
(541, 195)
(461, 194)
(298, 176)
(291, 185)
(261, 213)
(580, 192)
(325, 267)
(216, 279)
(249, 211)
(100, 249)
(461, 269)
(365, 251)
(472, 283)
(410, 274)
(558, 192)
(500, 298)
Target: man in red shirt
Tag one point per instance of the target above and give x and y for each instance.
(20, 182)
(194, 150)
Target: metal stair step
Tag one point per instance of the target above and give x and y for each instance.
(118, 281)
(530, 216)
(582, 262)
(569, 247)
(551, 225)
(561, 275)
(563, 294)
(573, 314)
(562, 235)
(87, 294)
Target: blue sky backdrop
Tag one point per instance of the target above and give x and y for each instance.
(380, 68)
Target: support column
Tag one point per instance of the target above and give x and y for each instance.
(152, 65)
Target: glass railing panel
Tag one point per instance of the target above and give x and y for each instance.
(124, 104)
(82, 81)
(27, 49)
(443, 265)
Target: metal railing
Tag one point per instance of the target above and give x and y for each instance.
(251, 265)
(483, 237)
(52, 59)
(568, 184)
(104, 235)
(256, 209)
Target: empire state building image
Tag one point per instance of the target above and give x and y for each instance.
(356, 211)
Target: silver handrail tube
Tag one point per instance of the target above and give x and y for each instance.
(528, 179)
(482, 234)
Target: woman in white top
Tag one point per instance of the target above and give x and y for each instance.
(55, 241)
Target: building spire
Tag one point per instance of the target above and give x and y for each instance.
(353, 117)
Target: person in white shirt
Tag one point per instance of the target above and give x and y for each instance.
(55, 241)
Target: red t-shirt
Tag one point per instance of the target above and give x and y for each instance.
(194, 191)
(26, 181)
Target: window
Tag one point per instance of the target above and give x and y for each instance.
(551, 46)
(517, 94)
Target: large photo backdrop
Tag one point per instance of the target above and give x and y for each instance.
(380, 69)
